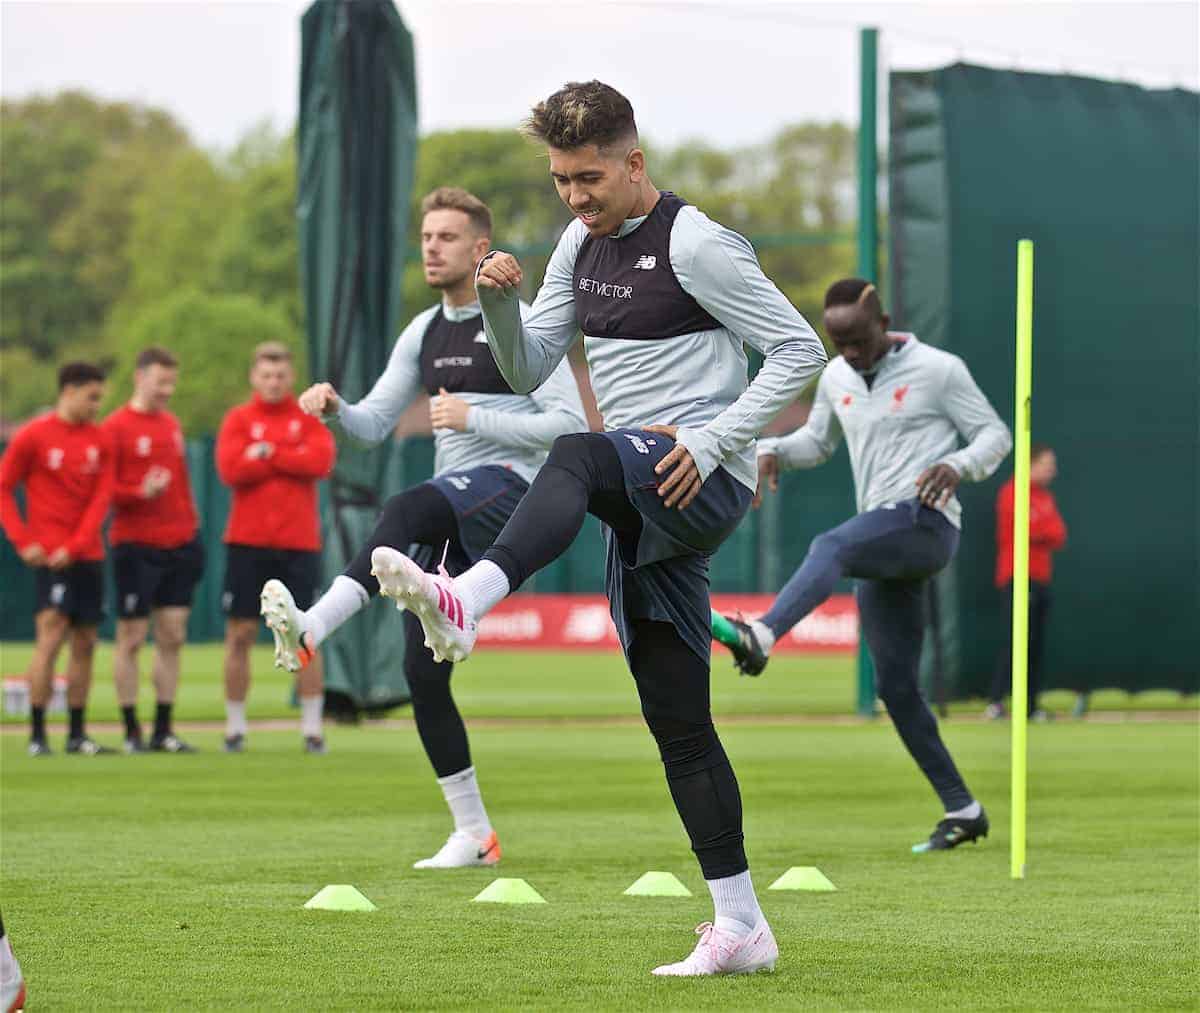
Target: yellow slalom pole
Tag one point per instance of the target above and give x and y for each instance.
(1020, 596)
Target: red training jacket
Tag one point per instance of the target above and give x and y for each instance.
(274, 498)
(1047, 533)
(67, 470)
(141, 441)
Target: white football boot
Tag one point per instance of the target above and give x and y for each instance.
(721, 952)
(449, 626)
(463, 850)
(283, 620)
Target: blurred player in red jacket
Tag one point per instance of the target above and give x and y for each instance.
(272, 456)
(1047, 534)
(157, 555)
(65, 462)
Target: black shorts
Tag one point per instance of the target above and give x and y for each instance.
(77, 592)
(483, 499)
(247, 568)
(661, 573)
(149, 578)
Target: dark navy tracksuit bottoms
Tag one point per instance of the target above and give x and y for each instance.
(892, 552)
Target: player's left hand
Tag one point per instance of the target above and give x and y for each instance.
(59, 559)
(448, 412)
(936, 485)
(682, 483)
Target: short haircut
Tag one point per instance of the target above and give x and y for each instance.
(854, 291)
(272, 351)
(1036, 450)
(581, 113)
(455, 198)
(155, 356)
(76, 374)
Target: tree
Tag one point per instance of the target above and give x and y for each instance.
(213, 336)
(258, 248)
(72, 167)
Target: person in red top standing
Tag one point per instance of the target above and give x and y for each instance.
(65, 462)
(272, 455)
(1047, 535)
(157, 555)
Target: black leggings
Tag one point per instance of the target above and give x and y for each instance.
(673, 684)
(424, 516)
(582, 475)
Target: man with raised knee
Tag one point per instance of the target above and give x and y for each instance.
(489, 444)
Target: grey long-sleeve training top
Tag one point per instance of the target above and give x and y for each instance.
(513, 430)
(696, 381)
(910, 419)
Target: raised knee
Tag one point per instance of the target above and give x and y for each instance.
(569, 446)
(827, 544)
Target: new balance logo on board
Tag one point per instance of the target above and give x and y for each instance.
(646, 263)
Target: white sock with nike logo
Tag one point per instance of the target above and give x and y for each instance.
(461, 792)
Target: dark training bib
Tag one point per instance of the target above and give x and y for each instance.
(625, 286)
(456, 356)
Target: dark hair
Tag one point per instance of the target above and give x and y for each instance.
(854, 291)
(455, 198)
(271, 351)
(580, 113)
(76, 374)
(155, 356)
(1037, 449)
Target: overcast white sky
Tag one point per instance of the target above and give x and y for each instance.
(730, 72)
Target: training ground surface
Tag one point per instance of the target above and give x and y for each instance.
(170, 882)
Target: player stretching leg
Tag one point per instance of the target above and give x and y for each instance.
(902, 406)
(489, 444)
(665, 298)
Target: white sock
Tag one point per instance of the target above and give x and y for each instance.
(971, 812)
(484, 586)
(461, 792)
(310, 715)
(345, 597)
(235, 718)
(734, 902)
(766, 638)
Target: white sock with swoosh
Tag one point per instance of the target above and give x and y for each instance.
(461, 792)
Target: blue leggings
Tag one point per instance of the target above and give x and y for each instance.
(892, 552)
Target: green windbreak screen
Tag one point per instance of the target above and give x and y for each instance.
(358, 137)
(1104, 178)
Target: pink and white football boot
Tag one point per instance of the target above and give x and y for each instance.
(449, 625)
(721, 952)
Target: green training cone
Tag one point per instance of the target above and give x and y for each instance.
(510, 891)
(803, 877)
(340, 897)
(658, 884)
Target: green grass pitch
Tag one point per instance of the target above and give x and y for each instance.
(176, 882)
